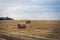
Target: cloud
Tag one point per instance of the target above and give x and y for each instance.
(30, 9)
(45, 16)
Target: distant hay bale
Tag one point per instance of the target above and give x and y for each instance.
(28, 21)
(21, 25)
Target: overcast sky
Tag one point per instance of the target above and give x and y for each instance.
(30, 9)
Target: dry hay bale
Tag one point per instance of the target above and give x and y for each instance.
(21, 25)
(28, 21)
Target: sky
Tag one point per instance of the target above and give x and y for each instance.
(30, 9)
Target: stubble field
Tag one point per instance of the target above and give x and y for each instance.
(36, 30)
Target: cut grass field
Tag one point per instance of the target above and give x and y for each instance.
(38, 28)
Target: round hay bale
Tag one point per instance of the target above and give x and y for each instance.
(28, 21)
(21, 25)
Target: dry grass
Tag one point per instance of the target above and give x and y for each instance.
(46, 28)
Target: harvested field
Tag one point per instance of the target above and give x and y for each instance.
(36, 30)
